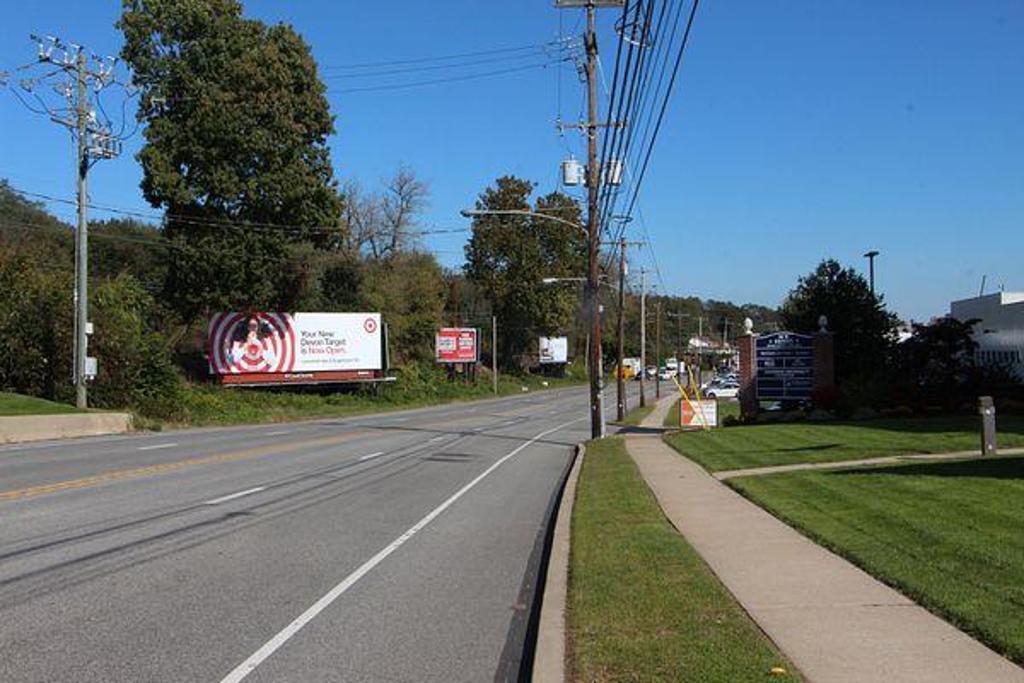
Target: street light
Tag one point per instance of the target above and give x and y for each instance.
(594, 367)
(870, 256)
(473, 213)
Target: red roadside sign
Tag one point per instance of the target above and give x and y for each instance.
(457, 345)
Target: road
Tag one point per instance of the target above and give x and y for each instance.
(396, 547)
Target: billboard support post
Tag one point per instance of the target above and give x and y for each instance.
(494, 353)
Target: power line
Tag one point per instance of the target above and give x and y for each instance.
(451, 79)
(217, 222)
(437, 67)
(421, 60)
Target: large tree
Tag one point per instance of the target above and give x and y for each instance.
(864, 330)
(508, 256)
(236, 145)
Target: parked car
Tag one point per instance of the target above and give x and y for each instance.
(718, 388)
(666, 373)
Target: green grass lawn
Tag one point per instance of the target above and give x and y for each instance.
(761, 445)
(948, 535)
(16, 404)
(642, 604)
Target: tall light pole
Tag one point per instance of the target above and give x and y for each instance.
(870, 256)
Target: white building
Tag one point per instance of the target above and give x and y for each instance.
(1000, 332)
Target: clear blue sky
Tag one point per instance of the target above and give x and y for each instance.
(799, 130)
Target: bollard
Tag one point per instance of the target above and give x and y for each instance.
(987, 410)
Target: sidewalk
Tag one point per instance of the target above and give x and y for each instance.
(835, 622)
(657, 417)
(851, 464)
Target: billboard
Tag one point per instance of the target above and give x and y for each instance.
(554, 349)
(294, 348)
(457, 345)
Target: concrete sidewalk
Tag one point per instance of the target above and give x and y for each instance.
(657, 417)
(864, 462)
(835, 622)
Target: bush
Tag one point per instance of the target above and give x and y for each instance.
(135, 366)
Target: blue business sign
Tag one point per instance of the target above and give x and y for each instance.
(785, 366)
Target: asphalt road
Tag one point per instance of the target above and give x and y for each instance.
(397, 547)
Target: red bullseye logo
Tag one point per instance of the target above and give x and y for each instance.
(370, 325)
(256, 342)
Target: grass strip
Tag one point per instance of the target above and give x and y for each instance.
(17, 405)
(947, 535)
(636, 416)
(761, 445)
(643, 606)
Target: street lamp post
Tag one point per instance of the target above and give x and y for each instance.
(870, 256)
(593, 309)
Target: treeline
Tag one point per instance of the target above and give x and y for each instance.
(934, 368)
(235, 161)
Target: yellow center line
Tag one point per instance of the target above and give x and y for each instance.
(136, 472)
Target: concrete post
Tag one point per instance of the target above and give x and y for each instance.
(987, 409)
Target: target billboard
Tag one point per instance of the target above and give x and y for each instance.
(294, 348)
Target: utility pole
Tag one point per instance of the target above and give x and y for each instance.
(594, 180)
(620, 381)
(93, 140)
(494, 353)
(81, 241)
(593, 228)
(700, 348)
(657, 349)
(643, 333)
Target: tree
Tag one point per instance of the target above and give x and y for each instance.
(379, 224)
(508, 256)
(864, 330)
(409, 290)
(236, 145)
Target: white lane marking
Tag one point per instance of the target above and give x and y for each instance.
(371, 455)
(438, 438)
(157, 446)
(271, 646)
(281, 433)
(400, 419)
(224, 499)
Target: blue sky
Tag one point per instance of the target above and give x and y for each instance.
(798, 131)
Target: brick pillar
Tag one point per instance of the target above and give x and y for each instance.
(824, 361)
(748, 376)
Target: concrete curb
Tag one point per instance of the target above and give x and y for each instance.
(550, 653)
(44, 427)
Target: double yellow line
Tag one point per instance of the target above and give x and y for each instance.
(137, 472)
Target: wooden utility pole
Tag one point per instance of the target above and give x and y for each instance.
(494, 353)
(643, 334)
(657, 349)
(593, 229)
(82, 239)
(620, 382)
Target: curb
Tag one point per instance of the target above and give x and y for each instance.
(550, 652)
(45, 427)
